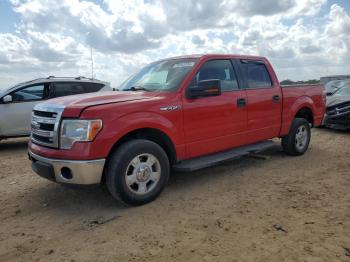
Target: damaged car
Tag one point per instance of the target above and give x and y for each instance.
(333, 86)
(338, 109)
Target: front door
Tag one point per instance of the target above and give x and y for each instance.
(16, 116)
(217, 123)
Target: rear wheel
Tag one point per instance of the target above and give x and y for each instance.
(137, 172)
(297, 141)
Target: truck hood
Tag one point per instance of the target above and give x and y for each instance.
(75, 104)
(335, 100)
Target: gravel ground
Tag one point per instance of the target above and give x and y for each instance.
(278, 209)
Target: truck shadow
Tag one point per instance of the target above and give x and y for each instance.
(76, 201)
(14, 144)
(81, 202)
(231, 167)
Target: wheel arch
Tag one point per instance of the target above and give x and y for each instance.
(153, 134)
(306, 113)
(148, 133)
(303, 107)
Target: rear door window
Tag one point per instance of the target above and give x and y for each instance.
(256, 74)
(66, 89)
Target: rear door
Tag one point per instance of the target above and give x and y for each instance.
(16, 116)
(213, 124)
(66, 88)
(264, 101)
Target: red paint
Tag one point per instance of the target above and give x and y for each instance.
(201, 126)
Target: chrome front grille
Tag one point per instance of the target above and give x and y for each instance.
(338, 110)
(44, 114)
(45, 124)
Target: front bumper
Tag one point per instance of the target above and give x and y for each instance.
(338, 122)
(81, 172)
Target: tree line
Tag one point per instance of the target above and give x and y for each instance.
(307, 82)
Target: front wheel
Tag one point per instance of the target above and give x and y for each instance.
(297, 141)
(137, 172)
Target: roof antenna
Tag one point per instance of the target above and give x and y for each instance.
(92, 63)
(91, 57)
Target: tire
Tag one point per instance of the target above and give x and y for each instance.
(297, 141)
(137, 172)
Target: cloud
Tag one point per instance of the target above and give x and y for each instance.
(339, 25)
(86, 20)
(55, 37)
(197, 40)
(266, 7)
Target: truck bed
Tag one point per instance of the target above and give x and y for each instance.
(297, 95)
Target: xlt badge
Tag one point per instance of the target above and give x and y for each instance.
(170, 108)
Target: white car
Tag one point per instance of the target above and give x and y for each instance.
(17, 102)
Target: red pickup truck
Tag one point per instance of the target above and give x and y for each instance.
(182, 113)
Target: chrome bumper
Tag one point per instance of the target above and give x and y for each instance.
(82, 172)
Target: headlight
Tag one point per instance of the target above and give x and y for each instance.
(78, 131)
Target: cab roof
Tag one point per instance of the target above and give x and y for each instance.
(216, 56)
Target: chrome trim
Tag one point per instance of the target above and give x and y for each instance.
(57, 109)
(43, 133)
(337, 115)
(338, 111)
(85, 172)
(43, 120)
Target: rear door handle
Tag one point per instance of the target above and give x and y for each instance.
(241, 102)
(276, 98)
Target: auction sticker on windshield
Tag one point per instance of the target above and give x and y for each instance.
(183, 64)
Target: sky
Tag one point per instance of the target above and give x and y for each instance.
(304, 39)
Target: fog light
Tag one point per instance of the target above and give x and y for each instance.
(66, 173)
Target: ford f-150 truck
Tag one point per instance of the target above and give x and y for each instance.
(182, 113)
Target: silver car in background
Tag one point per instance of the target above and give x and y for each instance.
(17, 102)
(338, 108)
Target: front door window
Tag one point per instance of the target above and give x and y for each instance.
(31, 93)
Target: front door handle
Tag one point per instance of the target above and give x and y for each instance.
(276, 98)
(241, 102)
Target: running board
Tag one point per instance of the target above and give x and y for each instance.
(214, 159)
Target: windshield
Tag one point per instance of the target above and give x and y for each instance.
(336, 84)
(345, 91)
(163, 75)
(7, 89)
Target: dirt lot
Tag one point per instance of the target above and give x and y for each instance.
(223, 213)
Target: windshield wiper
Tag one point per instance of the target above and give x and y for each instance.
(137, 88)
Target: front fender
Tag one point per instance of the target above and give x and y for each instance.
(140, 120)
(116, 128)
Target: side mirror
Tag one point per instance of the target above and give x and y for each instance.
(7, 99)
(205, 88)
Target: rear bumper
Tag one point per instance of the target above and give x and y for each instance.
(81, 172)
